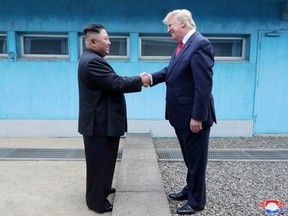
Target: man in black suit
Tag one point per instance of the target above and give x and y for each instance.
(102, 115)
(189, 103)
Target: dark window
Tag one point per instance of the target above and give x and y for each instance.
(156, 47)
(118, 46)
(3, 45)
(45, 45)
(229, 48)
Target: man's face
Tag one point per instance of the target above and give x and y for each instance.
(101, 43)
(175, 29)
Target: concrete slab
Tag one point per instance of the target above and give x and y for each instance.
(140, 189)
(46, 188)
(49, 187)
(140, 204)
(139, 170)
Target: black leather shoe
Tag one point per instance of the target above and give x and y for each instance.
(178, 196)
(188, 210)
(108, 208)
(113, 190)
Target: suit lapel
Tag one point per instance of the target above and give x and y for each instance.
(175, 58)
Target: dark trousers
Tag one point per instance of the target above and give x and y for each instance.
(101, 155)
(194, 147)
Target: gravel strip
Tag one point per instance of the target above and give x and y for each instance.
(257, 142)
(233, 188)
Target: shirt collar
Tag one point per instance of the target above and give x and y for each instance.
(188, 35)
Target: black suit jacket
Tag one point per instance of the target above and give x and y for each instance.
(189, 84)
(102, 107)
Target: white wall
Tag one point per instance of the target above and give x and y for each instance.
(158, 128)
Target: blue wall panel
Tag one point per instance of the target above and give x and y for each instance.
(48, 89)
(150, 103)
(137, 16)
(34, 90)
(272, 101)
(234, 90)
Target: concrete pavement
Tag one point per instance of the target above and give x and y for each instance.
(52, 188)
(140, 189)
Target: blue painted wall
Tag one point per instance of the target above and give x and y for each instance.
(48, 89)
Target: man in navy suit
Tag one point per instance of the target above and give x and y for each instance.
(102, 115)
(189, 103)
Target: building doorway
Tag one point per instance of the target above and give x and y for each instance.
(271, 101)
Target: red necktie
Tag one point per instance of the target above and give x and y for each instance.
(179, 48)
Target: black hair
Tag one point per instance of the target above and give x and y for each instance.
(93, 28)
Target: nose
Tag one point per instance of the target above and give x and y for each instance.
(169, 30)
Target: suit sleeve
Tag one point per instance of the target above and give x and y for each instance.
(160, 76)
(104, 76)
(201, 64)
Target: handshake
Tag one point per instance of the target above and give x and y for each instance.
(146, 79)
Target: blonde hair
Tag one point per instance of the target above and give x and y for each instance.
(181, 15)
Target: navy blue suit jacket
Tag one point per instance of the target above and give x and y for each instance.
(189, 84)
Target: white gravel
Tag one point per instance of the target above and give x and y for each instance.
(233, 188)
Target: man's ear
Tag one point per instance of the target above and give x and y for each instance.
(183, 24)
(93, 41)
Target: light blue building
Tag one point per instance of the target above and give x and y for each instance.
(41, 41)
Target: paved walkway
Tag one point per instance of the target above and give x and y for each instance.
(139, 184)
(56, 188)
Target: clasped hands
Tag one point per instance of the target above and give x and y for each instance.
(146, 79)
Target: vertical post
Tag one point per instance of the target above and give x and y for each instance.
(11, 46)
(73, 46)
(134, 47)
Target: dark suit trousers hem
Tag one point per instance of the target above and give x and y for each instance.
(194, 147)
(101, 155)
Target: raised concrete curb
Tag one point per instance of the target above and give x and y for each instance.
(140, 190)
